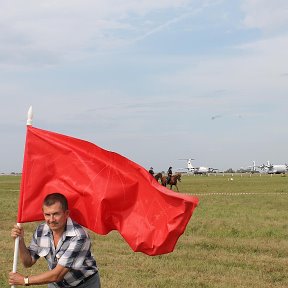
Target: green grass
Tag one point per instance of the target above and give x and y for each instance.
(237, 237)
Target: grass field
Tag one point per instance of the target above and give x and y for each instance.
(237, 237)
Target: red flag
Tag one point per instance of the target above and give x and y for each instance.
(105, 191)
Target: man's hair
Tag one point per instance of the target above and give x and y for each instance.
(51, 199)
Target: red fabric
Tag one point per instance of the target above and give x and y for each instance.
(105, 191)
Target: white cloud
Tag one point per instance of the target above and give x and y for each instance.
(266, 15)
(55, 31)
(67, 27)
(257, 72)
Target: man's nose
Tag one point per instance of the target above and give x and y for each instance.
(51, 218)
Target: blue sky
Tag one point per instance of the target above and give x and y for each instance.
(155, 81)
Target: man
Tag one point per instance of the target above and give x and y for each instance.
(65, 245)
(151, 171)
(169, 174)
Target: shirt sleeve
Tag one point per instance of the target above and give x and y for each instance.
(33, 247)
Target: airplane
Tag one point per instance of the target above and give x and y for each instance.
(197, 170)
(274, 168)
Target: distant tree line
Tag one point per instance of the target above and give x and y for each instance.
(230, 170)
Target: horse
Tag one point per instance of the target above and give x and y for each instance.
(158, 176)
(173, 181)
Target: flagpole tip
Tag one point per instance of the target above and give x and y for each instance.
(30, 116)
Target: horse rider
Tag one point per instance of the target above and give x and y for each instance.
(169, 174)
(151, 171)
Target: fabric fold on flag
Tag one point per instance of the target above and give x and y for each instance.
(105, 190)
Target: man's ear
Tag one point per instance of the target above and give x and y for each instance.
(67, 213)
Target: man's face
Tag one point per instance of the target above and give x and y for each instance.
(55, 216)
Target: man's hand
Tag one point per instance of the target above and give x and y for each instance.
(25, 256)
(16, 279)
(17, 231)
(55, 275)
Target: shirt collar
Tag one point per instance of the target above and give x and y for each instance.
(70, 231)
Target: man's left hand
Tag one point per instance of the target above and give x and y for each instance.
(16, 279)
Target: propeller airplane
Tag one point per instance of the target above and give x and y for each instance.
(201, 170)
(270, 168)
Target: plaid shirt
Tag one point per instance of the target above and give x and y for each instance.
(72, 251)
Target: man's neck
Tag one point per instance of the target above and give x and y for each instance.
(57, 235)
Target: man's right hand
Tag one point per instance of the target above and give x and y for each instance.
(17, 231)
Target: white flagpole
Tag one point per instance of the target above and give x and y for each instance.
(16, 246)
(16, 252)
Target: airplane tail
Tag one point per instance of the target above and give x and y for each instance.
(189, 165)
(253, 168)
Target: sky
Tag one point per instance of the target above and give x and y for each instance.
(155, 81)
